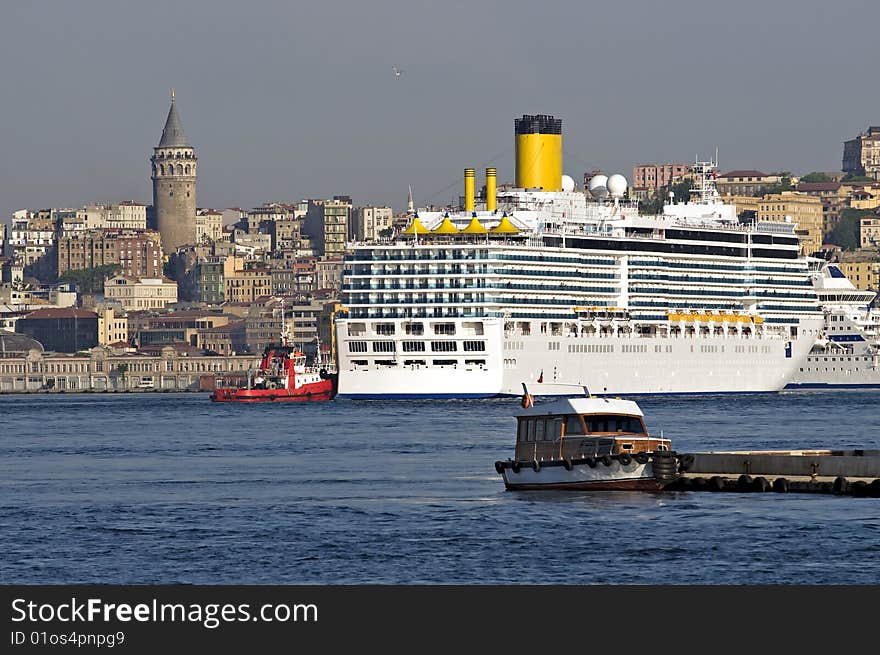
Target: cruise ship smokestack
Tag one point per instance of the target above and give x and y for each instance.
(469, 189)
(491, 189)
(538, 152)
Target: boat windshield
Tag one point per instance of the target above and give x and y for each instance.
(613, 423)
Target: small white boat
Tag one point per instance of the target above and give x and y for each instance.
(586, 442)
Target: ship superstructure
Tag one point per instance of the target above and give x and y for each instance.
(563, 285)
(847, 352)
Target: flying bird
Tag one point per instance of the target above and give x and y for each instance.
(397, 72)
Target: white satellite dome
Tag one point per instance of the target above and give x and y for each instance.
(617, 185)
(598, 186)
(567, 183)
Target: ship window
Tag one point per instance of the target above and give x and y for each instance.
(531, 435)
(554, 428)
(413, 346)
(539, 430)
(444, 362)
(523, 430)
(385, 329)
(383, 346)
(414, 362)
(481, 362)
(357, 346)
(414, 328)
(356, 329)
(444, 328)
(474, 346)
(443, 346)
(573, 425)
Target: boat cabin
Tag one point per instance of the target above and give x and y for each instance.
(574, 428)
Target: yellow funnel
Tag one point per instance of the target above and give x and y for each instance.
(469, 189)
(491, 189)
(539, 152)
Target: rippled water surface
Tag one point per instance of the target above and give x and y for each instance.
(165, 488)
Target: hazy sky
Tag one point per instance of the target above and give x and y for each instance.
(286, 99)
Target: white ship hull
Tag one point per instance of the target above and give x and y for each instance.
(837, 371)
(614, 365)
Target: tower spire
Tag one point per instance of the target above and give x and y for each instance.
(172, 134)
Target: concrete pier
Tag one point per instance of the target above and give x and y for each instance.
(842, 472)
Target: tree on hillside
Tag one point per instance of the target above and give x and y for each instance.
(90, 280)
(857, 178)
(816, 177)
(846, 233)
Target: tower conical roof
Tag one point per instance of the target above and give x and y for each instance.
(172, 134)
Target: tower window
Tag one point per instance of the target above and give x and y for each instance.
(171, 193)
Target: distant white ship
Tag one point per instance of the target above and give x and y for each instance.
(847, 353)
(558, 285)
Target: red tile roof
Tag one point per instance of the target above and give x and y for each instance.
(743, 174)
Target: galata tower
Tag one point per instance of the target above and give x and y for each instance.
(174, 185)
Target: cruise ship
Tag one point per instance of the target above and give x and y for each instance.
(846, 354)
(545, 284)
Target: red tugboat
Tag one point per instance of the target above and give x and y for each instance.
(283, 376)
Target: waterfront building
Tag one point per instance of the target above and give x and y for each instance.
(861, 156)
(328, 273)
(134, 293)
(648, 179)
(33, 242)
(26, 366)
(64, 329)
(744, 182)
(209, 225)
(862, 268)
(869, 231)
(174, 173)
(246, 285)
(369, 222)
(228, 339)
(112, 326)
(137, 252)
(802, 210)
(328, 224)
(149, 329)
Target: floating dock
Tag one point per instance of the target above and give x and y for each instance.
(841, 472)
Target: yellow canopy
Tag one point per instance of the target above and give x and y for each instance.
(446, 227)
(474, 227)
(504, 227)
(416, 227)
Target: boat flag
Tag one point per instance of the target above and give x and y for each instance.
(541, 377)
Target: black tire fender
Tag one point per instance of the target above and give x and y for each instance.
(625, 459)
(606, 460)
(642, 458)
(515, 467)
(591, 462)
(499, 467)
